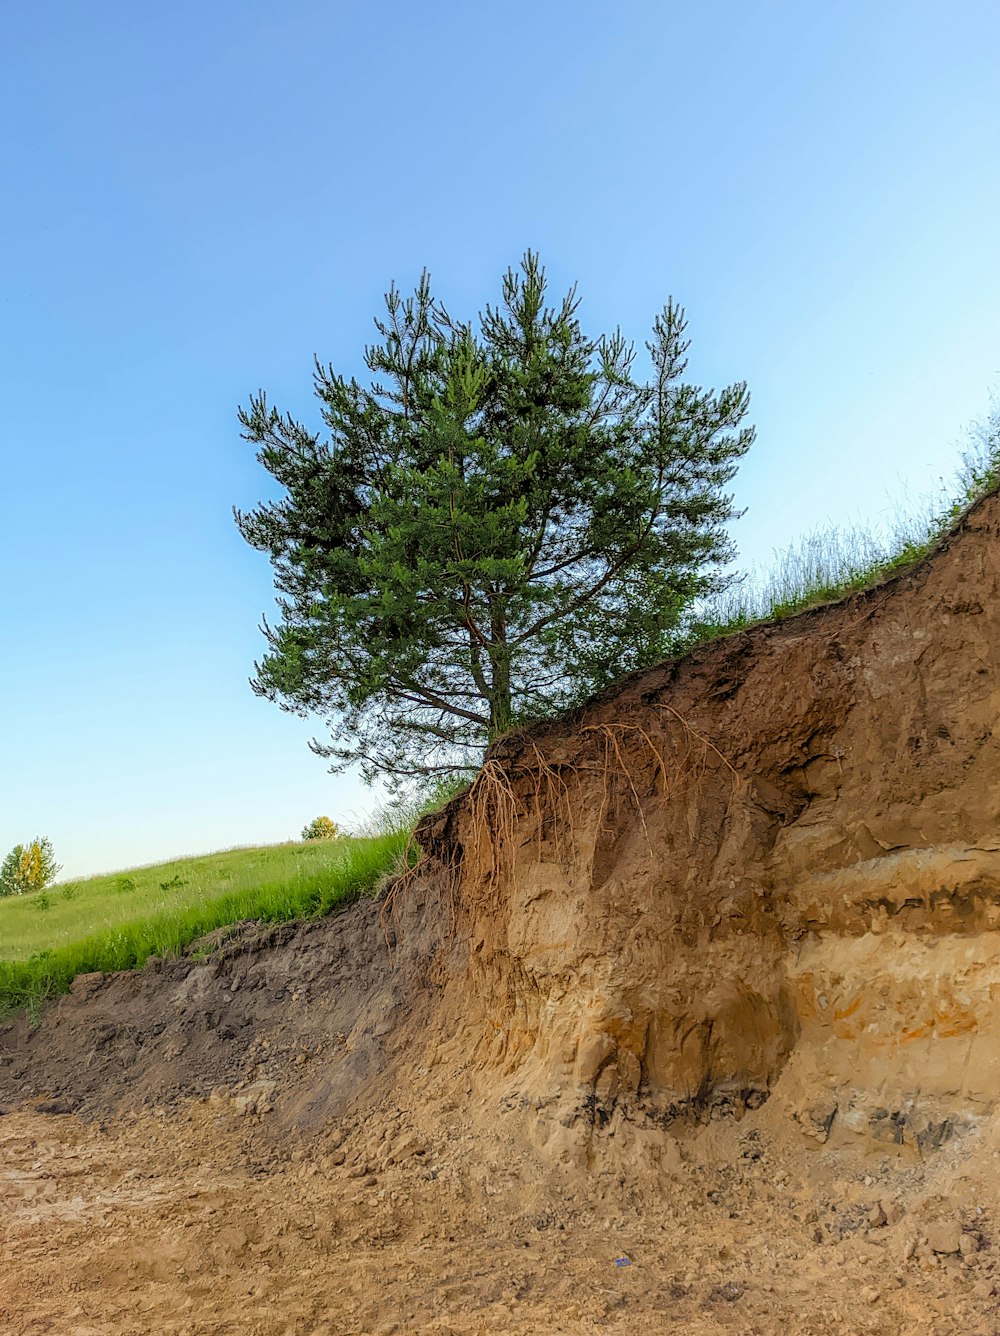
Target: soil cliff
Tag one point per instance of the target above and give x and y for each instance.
(769, 869)
(720, 946)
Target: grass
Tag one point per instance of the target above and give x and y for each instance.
(117, 922)
(829, 564)
(822, 567)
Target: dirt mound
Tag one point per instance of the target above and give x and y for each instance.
(315, 1004)
(690, 1021)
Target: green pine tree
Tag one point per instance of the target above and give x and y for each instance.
(505, 520)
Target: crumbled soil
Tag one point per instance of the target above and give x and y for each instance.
(200, 1221)
(181, 1027)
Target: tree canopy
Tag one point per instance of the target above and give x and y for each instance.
(502, 521)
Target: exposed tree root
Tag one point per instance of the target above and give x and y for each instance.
(504, 794)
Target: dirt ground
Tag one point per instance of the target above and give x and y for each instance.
(199, 1221)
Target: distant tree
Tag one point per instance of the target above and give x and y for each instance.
(504, 521)
(29, 867)
(10, 881)
(321, 828)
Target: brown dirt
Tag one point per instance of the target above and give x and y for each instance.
(199, 1222)
(705, 977)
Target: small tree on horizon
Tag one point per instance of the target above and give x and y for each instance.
(321, 828)
(504, 521)
(29, 867)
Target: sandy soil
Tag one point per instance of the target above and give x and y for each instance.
(197, 1222)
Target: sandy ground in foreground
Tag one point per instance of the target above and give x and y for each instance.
(191, 1224)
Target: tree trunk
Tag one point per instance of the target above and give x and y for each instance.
(501, 710)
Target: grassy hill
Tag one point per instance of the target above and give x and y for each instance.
(119, 921)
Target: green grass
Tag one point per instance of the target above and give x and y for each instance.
(822, 567)
(829, 564)
(117, 922)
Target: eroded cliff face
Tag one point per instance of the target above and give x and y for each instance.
(769, 870)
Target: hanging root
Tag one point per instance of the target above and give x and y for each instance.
(551, 798)
(691, 753)
(612, 736)
(678, 752)
(699, 738)
(495, 809)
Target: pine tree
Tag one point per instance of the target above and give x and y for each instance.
(502, 522)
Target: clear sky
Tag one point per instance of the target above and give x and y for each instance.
(197, 197)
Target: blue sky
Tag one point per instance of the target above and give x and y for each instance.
(199, 197)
